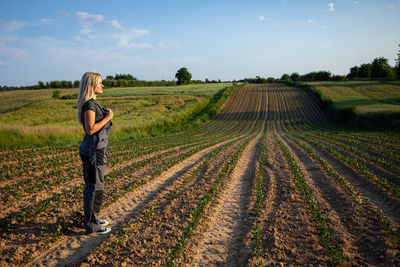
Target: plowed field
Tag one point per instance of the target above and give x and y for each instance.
(271, 179)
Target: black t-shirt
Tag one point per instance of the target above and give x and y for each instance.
(91, 105)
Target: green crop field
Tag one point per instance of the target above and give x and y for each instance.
(272, 178)
(32, 118)
(372, 104)
(366, 96)
(191, 89)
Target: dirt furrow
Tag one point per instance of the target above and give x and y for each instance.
(289, 235)
(72, 250)
(224, 239)
(365, 242)
(149, 239)
(387, 203)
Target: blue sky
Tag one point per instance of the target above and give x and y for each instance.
(214, 39)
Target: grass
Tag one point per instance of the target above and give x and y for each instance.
(373, 104)
(32, 118)
(366, 96)
(11, 100)
(207, 90)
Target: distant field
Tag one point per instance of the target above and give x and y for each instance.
(33, 117)
(10, 100)
(192, 89)
(365, 96)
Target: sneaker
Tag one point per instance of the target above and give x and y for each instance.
(103, 230)
(104, 222)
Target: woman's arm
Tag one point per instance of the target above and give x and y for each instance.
(90, 126)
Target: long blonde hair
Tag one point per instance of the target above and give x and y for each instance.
(87, 87)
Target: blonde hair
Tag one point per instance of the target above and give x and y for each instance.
(87, 87)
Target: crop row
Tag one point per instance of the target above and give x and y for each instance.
(363, 170)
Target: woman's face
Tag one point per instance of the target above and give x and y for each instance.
(99, 88)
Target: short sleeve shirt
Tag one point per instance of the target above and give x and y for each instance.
(91, 105)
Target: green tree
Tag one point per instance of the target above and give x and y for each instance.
(294, 76)
(380, 68)
(354, 72)
(365, 71)
(183, 76)
(41, 84)
(285, 77)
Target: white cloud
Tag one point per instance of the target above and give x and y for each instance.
(86, 18)
(261, 18)
(85, 30)
(324, 46)
(115, 24)
(310, 21)
(392, 6)
(125, 38)
(355, 2)
(330, 5)
(13, 26)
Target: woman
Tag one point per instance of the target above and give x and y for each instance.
(96, 122)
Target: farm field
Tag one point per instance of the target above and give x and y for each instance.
(366, 96)
(27, 117)
(270, 179)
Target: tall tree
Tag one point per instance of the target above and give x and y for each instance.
(294, 76)
(380, 68)
(285, 77)
(183, 76)
(353, 72)
(365, 71)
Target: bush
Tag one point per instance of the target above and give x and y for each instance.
(73, 96)
(56, 94)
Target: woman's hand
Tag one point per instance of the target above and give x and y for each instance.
(90, 126)
(109, 114)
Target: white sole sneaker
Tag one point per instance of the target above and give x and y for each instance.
(104, 223)
(103, 230)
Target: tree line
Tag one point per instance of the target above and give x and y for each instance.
(379, 68)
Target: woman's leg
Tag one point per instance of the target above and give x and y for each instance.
(91, 219)
(98, 199)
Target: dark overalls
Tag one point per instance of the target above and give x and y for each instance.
(93, 152)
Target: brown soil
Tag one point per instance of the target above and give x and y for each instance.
(154, 215)
(222, 237)
(364, 240)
